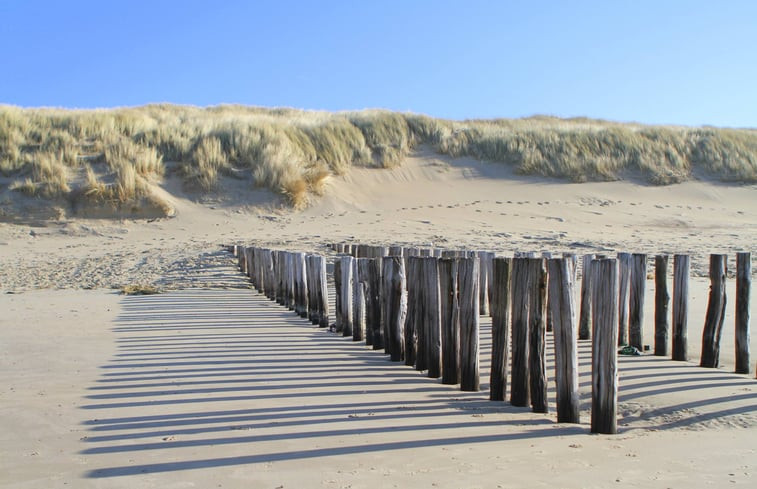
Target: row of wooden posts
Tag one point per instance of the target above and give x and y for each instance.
(422, 306)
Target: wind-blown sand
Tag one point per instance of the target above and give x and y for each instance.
(211, 384)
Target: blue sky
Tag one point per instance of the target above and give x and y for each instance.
(683, 62)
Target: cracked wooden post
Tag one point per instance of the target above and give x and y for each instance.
(562, 302)
(661, 305)
(625, 261)
(537, 369)
(713, 326)
(393, 273)
(411, 318)
(468, 284)
(450, 319)
(373, 303)
(500, 308)
(584, 322)
(432, 325)
(604, 349)
(636, 300)
(743, 290)
(520, 394)
(346, 292)
(679, 333)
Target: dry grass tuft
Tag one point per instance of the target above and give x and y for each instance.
(139, 289)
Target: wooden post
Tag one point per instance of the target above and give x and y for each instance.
(547, 256)
(679, 339)
(450, 320)
(358, 302)
(373, 303)
(396, 304)
(604, 355)
(743, 290)
(363, 278)
(469, 323)
(432, 324)
(661, 305)
(636, 301)
(500, 308)
(562, 302)
(411, 319)
(304, 284)
(421, 331)
(320, 294)
(713, 326)
(584, 322)
(537, 334)
(484, 277)
(625, 261)
(338, 324)
(346, 291)
(520, 395)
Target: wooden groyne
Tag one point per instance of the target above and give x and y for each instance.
(421, 306)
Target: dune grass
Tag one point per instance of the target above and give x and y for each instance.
(115, 155)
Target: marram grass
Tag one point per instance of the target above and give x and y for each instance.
(90, 156)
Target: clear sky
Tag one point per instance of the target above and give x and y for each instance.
(684, 62)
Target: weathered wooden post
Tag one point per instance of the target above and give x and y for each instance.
(679, 337)
(743, 290)
(636, 300)
(450, 319)
(537, 334)
(358, 300)
(625, 263)
(411, 319)
(432, 324)
(421, 330)
(562, 302)
(584, 322)
(364, 279)
(519, 382)
(713, 326)
(396, 304)
(304, 285)
(373, 303)
(346, 291)
(604, 355)
(485, 264)
(500, 308)
(468, 271)
(661, 305)
(338, 321)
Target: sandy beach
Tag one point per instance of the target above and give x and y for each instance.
(209, 383)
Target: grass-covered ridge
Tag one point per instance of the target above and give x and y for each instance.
(112, 157)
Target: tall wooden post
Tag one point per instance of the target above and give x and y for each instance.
(346, 291)
(469, 323)
(604, 356)
(743, 290)
(584, 322)
(339, 319)
(537, 334)
(421, 330)
(432, 316)
(411, 319)
(661, 305)
(373, 303)
(322, 292)
(679, 339)
(713, 326)
(636, 301)
(450, 319)
(500, 305)
(625, 261)
(395, 303)
(519, 382)
(563, 305)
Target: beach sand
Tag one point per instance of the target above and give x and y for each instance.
(211, 385)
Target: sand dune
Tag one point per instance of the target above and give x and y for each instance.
(211, 384)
